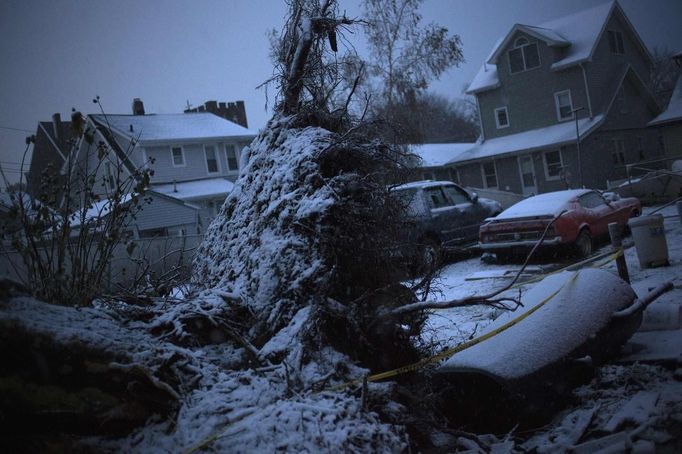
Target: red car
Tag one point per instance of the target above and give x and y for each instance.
(588, 214)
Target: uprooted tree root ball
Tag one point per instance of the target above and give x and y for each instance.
(310, 227)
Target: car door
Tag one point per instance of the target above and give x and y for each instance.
(445, 215)
(469, 214)
(598, 213)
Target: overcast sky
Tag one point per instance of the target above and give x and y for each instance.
(59, 54)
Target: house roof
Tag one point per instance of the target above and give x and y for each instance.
(172, 127)
(535, 139)
(581, 30)
(674, 110)
(438, 154)
(197, 189)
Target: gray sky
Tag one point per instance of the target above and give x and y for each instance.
(59, 54)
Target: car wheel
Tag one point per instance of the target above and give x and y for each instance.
(583, 244)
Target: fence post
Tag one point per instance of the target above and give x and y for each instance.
(615, 232)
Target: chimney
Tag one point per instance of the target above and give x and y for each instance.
(57, 126)
(138, 107)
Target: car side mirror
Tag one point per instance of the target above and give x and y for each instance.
(474, 197)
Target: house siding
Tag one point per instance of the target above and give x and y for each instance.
(529, 95)
(605, 69)
(165, 213)
(195, 162)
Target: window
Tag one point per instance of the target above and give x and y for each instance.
(436, 197)
(178, 157)
(454, 175)
(211, 159)
(501, 117)
(564, 105)
(591, 200)
(231, 155)
(456, 195)
(553, 165)
(489, 174)
(616, 42)
(523, 56)
(618, 154)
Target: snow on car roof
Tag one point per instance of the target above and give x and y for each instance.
(582, 307)
(550, 203)
(422, 184)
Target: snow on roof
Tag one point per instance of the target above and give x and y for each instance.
(674, 110)
(97, 210)
(582, 307)
(581, 30)
(438, 154)
(165, 127)
(559, 134)
(198, 189)
(550, 203)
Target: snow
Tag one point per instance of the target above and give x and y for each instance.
(674, 110)
(97, 210)
(438, 154)
(554, 135)
(547, 204)
(148, 129)
(582, 307)
(581, 30)
(197, 189)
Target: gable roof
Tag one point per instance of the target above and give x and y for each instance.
(549, 36)
(582, 30)
(674, 110)
(155, 128)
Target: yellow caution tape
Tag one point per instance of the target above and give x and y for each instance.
(451, 351)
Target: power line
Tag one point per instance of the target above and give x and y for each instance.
(16, 129)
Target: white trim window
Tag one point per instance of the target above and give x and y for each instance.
(178, 157)
(554, 164)
(564, 105)
(489, 172)
(231, 158)
(523, 56)
(212, 164)
(616, 45)
(502, 117)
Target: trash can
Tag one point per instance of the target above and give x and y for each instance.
(650, 243)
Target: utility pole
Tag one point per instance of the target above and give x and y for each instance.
(577, 144)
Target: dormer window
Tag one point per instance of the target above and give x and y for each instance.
(523, 56)
(501, 117)
(616, 42)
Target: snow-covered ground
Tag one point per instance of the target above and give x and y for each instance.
(223, 409)
(633, 404)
